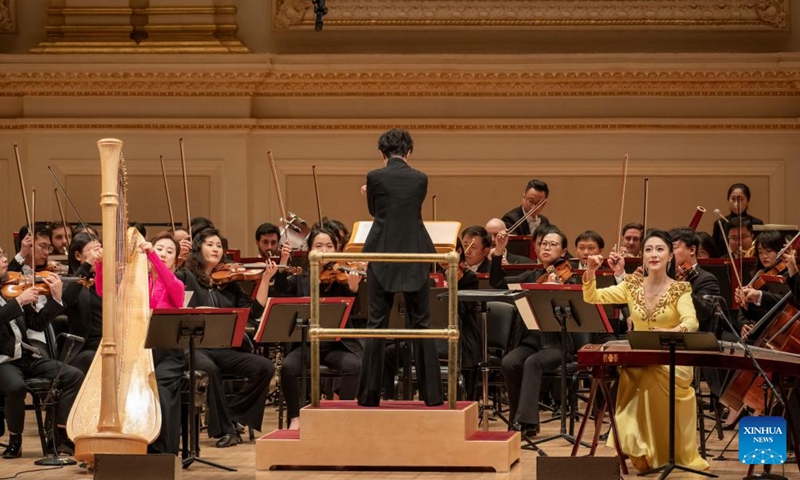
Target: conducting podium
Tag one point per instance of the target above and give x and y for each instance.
(191, 328)
(560, 308)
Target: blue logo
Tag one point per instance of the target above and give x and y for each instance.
(762, 440)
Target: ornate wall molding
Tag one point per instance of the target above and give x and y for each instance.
(708, 15)
(771, 80)
(8, 16)
(711, 125)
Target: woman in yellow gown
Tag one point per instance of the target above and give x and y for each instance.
(657, 303)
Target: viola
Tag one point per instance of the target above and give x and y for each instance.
(338, 272)
(15, 283)
(759, 281)
(237, 272)
(685, 272)
(562, 270)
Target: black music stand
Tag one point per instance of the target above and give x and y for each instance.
(481, 298)
(282, 317)
(560, 308)
(672, 341)
(196, 327)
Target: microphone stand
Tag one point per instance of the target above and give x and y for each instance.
(320, 10)
(768, 384)
(55, 460)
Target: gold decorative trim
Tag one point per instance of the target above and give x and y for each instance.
(494, 81)
(8, 16)
(445, 127)
(707, 15)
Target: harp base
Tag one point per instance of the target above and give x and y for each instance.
(86, 446)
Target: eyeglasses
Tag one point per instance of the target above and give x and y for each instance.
(551, 245)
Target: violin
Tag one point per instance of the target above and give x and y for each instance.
(338, 272)
(759, 281)
(15, 283)
(685, 272)
(237, 272)
(562, 270)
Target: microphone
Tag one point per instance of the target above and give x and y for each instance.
(717, 213)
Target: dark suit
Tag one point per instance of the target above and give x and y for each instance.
(511, 217)
(394, 196)
(705, 283)
(14, 372)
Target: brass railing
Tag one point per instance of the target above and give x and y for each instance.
(316, 333)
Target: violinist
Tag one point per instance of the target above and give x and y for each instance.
(338, 228)
(588, 243)
(343, 356)
(60, 234)
(41, 247)
(247, 406)
(632, 234)
(166, 291)
(685, 245)
(738, 200)
(268, 238)
(790, 259)
(477, 242)
(758, 301)
(84, 306)
(20, 361)
(534, 193)
(537, 352)
(495, 226)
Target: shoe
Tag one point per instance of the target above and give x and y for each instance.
(228, 440)
(527, 429)
(14, 450)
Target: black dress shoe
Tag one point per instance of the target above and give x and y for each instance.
(14, 450)
(227, 440)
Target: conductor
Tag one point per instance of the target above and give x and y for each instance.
(394, 196)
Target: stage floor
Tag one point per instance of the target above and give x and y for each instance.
(242, 457)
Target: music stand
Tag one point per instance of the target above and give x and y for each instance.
(191, 327)
(560, 308)
(673, 340)
(282, 317)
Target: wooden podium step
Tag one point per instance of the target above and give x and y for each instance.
(396, 434)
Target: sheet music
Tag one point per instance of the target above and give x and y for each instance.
(442, 233)
(524, 308)
(187, 297)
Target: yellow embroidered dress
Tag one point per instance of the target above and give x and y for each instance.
(643, 395)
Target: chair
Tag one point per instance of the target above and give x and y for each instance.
(501, 319)
(574, 375)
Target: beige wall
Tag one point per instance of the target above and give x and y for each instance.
(474, 176)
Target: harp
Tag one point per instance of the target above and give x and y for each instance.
(117, 409)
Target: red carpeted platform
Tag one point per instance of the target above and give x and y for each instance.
(395, 434)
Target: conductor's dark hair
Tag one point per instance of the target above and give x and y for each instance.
(396, 143)
(539, 186)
